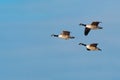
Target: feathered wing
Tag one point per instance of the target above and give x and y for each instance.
(66, 33)
(87, 30)
(94, 44)
(87, 49)
(95, 23)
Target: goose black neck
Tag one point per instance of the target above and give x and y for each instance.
(82, 44)
(54, 35)
(82, 24)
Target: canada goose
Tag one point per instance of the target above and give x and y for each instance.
(64, 35)
(92, 26)
(91, 47)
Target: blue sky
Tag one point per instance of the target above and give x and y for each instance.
(28, 52)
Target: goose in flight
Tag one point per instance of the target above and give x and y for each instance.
(91, 47)
(93, 26)
(64, 35)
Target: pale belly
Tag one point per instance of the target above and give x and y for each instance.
(92, 27)
(91, 48)
(64, 36)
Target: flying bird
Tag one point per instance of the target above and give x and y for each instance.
(91, 47)
(93, 26)
(64, 35)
